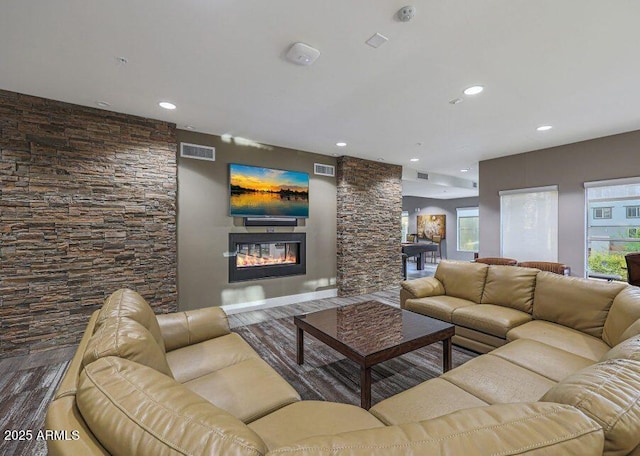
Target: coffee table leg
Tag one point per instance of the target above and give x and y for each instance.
(365, 388)
(446, 355)
(300, 346)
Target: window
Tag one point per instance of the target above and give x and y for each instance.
(404, 225)
(468, 229)
(602, 212)
(613, 210)
(529, 224)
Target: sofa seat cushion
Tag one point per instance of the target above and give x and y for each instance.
(429, 399)
(609, 393)
(495, 380)
(132, 409)
(248, 390)
(485, 339)
(309, 419)
(546, 360)
(575, 302)
(473, 344)
(510, 286)
(127, 339)
(561, 337)
(489, 318)
(193, 361)
(504, 429)
(440, 307)
(462, 279)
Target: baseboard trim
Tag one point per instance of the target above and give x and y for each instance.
(279, 301)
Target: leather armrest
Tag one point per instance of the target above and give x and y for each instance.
(495, 429)
(180, 329)
(423, 287)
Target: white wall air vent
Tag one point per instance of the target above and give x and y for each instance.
(197, 152)
(324, 170)
(424, 176)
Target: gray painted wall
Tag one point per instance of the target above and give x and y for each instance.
(437, 206)
(568, 167)
(204, 225)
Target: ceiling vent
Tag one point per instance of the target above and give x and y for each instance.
(424, 176)
(324, 170)
(197, 152)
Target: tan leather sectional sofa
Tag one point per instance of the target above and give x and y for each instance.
(183, 383)
(492, 305)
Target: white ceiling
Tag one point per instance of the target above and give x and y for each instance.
(573, 64)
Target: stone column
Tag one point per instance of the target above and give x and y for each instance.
(369, 206)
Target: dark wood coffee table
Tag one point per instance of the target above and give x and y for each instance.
(370, 332)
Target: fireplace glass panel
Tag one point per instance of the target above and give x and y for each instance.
(251, 255)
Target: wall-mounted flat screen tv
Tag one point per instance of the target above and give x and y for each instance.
(267, 192)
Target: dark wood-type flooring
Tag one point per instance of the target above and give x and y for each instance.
(28, 383)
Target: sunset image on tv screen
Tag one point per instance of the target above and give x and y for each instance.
(267, 192)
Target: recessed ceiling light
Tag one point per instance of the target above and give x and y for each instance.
(103, 104)
(414, 159)
(456, 101)
(167, 105)
(341, 144)
(544, 128)
(190, 127)
(473, 90)
(464, 170)
(381, 159)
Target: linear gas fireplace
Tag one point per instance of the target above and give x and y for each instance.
(262, 255)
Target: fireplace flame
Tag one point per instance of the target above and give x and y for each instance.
(246, 261)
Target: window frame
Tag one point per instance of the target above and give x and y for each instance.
(634, 208)
(603, 208)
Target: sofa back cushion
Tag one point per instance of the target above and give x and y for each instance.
(126, 338)
(609, 393)
(128, 303)
(510, 286)
(462, 279)
(132, 409)
(627, 349)
(578, 303)
(624, 312)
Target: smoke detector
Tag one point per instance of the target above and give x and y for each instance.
(302, 54)
(406, 13)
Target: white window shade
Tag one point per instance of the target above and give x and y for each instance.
(529, 224)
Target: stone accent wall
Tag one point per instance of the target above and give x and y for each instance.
(369, 208)
(87, 206)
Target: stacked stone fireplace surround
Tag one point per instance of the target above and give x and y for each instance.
(88, 205)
